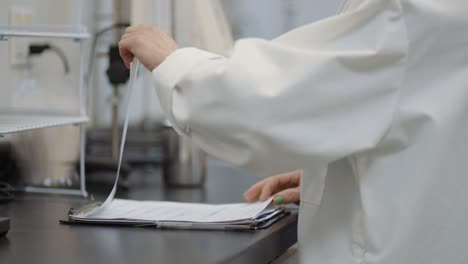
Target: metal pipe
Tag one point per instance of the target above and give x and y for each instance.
(83, 111)
(117, 19)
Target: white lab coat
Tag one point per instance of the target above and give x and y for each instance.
(372, 104)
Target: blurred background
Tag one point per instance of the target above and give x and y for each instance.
(37, 83)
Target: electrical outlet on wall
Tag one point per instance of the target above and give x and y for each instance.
(19, 46)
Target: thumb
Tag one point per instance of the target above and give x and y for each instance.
(292, 195)
(125, 53)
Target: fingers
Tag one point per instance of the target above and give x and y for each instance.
(280, 181)
(265, 188)
(128, 42)
(292, 195)
(268, 189)
(125, 52)
(269, 186)
(253, 193)
(150, 45)
(277, 184)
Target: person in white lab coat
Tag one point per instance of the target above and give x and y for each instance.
(371, 105)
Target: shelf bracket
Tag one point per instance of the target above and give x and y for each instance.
(3, 38)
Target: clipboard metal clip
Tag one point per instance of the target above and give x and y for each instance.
(85, 209)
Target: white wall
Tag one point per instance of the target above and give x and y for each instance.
(270, 18)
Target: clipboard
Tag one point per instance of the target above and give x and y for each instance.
(183, 226)
(262, 220)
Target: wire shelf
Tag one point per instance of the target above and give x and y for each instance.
(13, 123)
(50, 31)
(22, 120)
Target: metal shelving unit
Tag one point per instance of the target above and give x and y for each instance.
(14, 122)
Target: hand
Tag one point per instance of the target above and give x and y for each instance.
(150, 45)
(285, 188)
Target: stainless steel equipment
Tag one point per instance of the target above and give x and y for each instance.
(185, 163)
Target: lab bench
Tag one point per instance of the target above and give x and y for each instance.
(37, 237)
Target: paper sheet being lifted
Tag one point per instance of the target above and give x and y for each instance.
(242, 216)
(133, 74)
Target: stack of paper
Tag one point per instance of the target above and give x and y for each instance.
(173, 215)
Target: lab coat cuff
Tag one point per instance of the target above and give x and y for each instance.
(170, 73)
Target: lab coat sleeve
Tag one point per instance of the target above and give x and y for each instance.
(318, 93)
